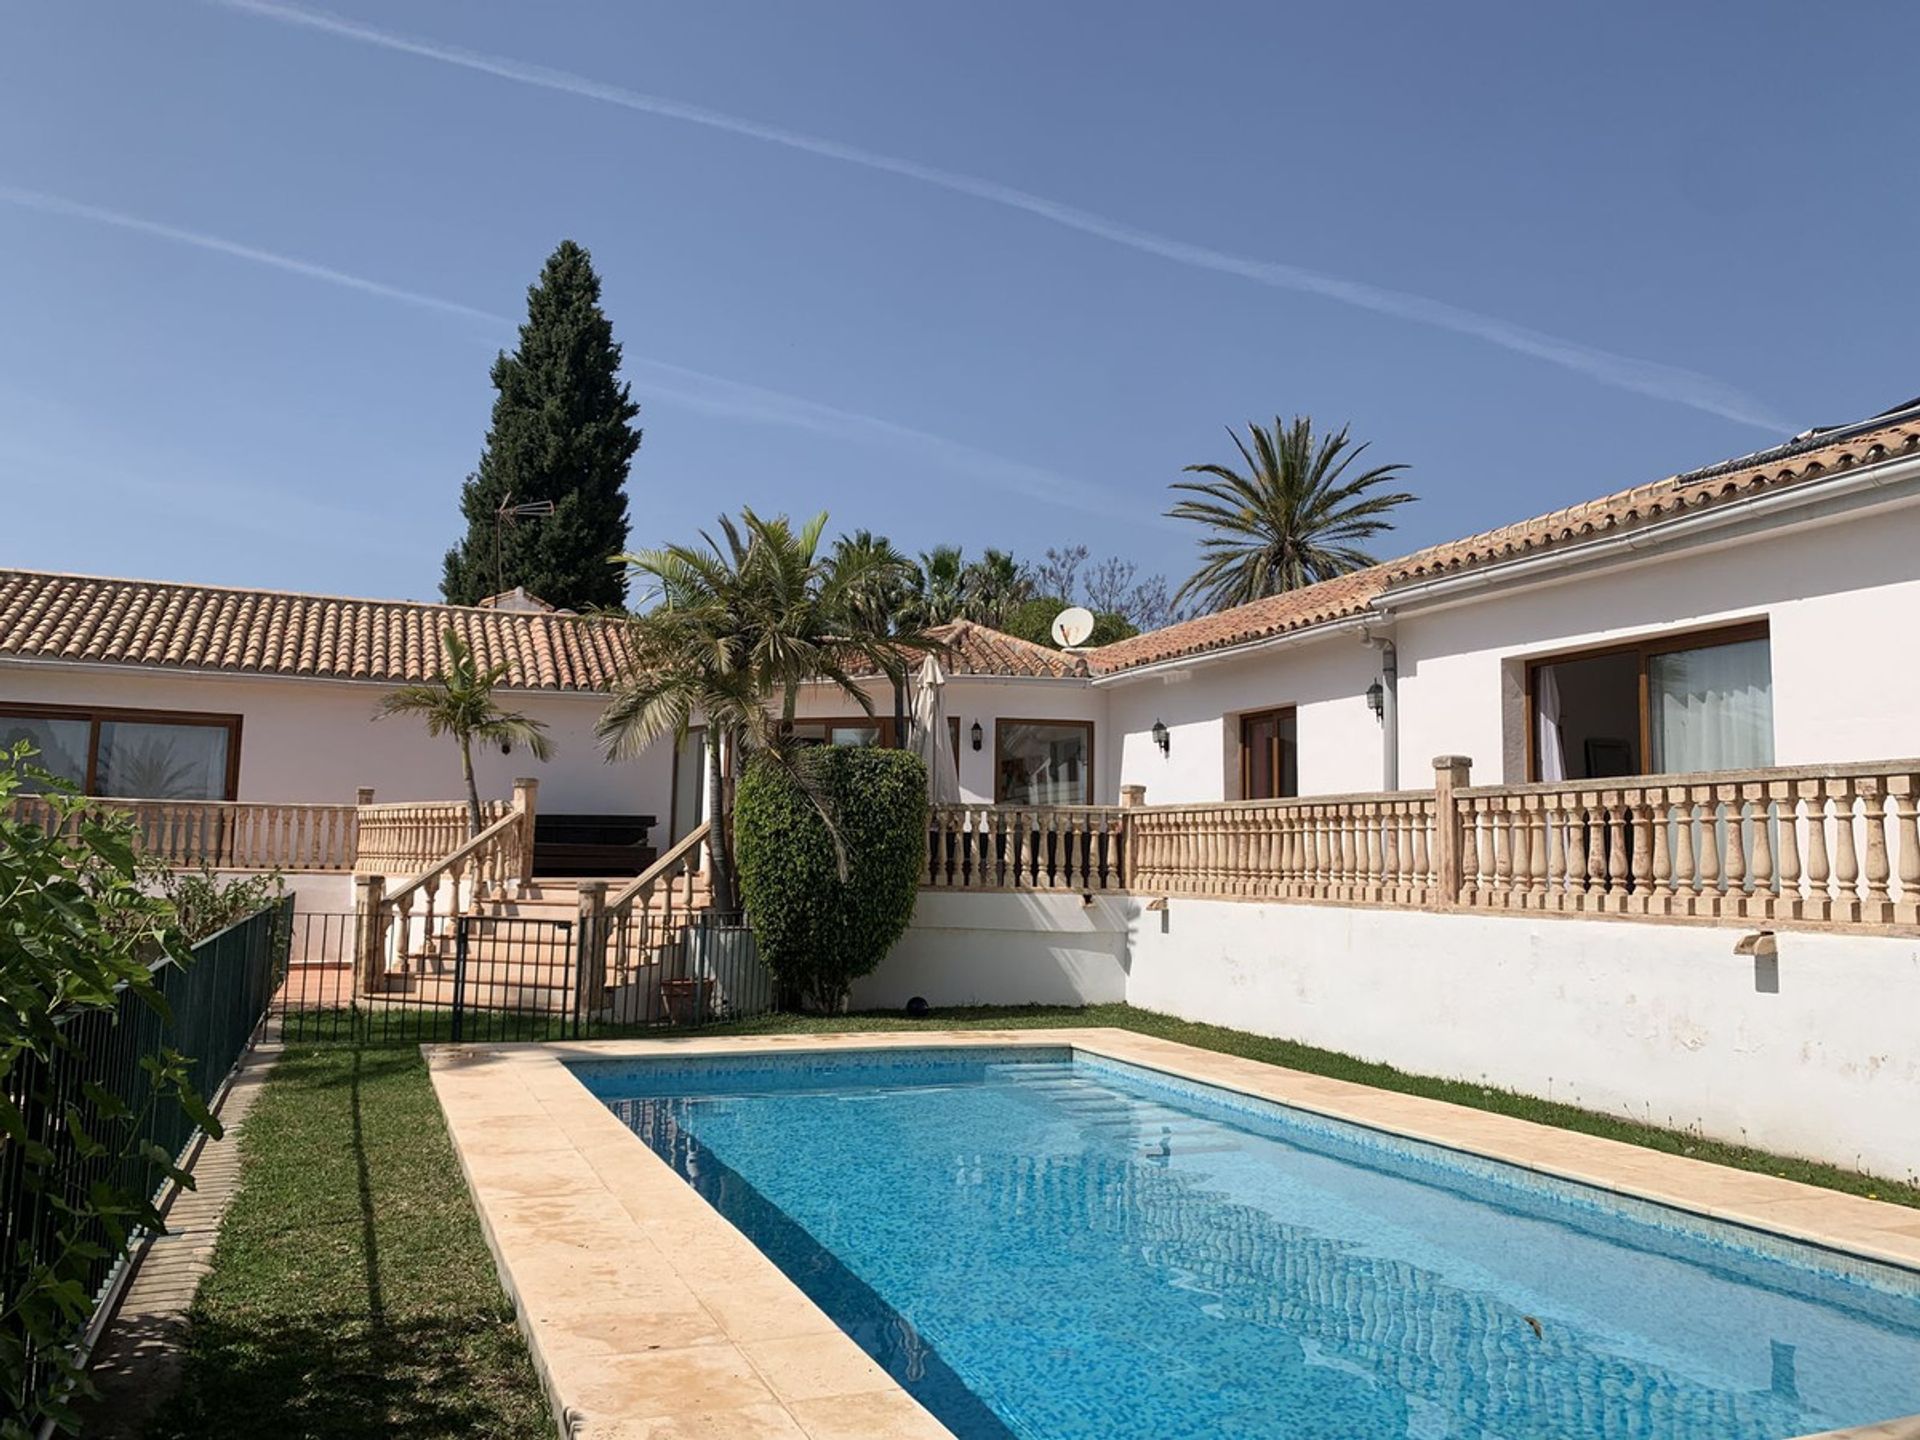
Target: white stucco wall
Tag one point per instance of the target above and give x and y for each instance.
(1828, 593)
(1004, 950)
(1660, 1023)
(1833, 595)
(316, 740)
(1326, 682)
(988, 700)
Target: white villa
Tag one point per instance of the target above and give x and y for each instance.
(1669, 720)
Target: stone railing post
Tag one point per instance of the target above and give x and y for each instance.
(1132, 797)
(590, 948)
(369, 932)
(526, 796)
(1450, 773)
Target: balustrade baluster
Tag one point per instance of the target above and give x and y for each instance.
(1760, 876)
(1907, 837)
(1819, 901)
(1615, 818)
(1846, 863)
(1641, 860)
(1660, 902)
(1733, 860)
(1787, 862)
(1878, 909)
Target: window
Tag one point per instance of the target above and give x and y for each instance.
(1675, 705)
(953, 734)
(131, 754)
(858, 730)
(1043, 762)
(1269, 755)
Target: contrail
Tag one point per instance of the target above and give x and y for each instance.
(1645, 377)
(694, 389)
(57, 205)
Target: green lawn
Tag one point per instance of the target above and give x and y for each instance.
(352, 1295)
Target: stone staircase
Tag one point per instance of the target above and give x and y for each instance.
(523, 944)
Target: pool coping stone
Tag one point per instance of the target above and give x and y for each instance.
(650, 1317)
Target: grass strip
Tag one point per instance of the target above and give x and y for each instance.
(352, 1294)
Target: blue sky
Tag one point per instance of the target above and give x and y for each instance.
(987, 274)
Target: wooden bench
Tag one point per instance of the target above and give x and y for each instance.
(592, 846)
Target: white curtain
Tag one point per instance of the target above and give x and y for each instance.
(1712, 708)
(1549, 747)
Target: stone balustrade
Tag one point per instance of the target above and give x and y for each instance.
(1020, 847)
(223, 834)
(1831, 845)
(410, 838)
(1369, 849)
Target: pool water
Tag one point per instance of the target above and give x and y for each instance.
(1054, 1246)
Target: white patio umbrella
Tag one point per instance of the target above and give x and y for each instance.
(930, 733)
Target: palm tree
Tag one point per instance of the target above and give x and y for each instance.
(740, 625)
(937, 586)
(1293, 518)
(876, 582)
(992, 586)
(460, 704)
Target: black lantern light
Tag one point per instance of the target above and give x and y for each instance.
(1161, 738)
(977, 734)
(1377, 698)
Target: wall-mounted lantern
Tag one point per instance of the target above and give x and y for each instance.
(976, 734)
(1161, 738)
(1377, 698)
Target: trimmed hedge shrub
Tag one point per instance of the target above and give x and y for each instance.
(816, 932)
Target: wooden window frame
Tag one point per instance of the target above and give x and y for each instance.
(96, 715)
(999, 774)
(831, 722)
(1246, 718)
(1643, 650)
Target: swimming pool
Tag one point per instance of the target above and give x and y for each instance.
(1038, 1242)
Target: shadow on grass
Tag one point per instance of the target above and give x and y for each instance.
(340, 1377)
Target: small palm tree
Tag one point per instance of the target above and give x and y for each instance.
(460, 704)
(1293, 518)
(740, 626)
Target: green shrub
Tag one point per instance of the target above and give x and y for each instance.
(77, 929)
(203, 903)
(816, 930)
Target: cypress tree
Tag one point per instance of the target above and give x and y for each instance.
(562, 430)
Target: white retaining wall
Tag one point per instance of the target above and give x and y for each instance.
(1817, 1054)
(1005, 950)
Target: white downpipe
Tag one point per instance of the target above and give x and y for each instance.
(1389, 708)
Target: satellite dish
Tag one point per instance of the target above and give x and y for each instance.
(1072, 626)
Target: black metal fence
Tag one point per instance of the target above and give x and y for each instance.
(214, 1006)
(478, 979)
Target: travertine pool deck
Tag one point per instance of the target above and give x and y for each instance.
(651, 1318)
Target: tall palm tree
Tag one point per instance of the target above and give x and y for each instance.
(876, 582)
(1293, 518)
(938, 586)
(992, 586)
(461, 704)
(739, 626)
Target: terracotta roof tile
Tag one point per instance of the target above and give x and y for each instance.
(1695, 490)
(1351, 595)
(256, 632)
(1337, 599)
(975, 649)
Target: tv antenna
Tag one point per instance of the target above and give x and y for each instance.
(511, 514)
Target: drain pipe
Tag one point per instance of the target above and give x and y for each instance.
(1389, 708)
